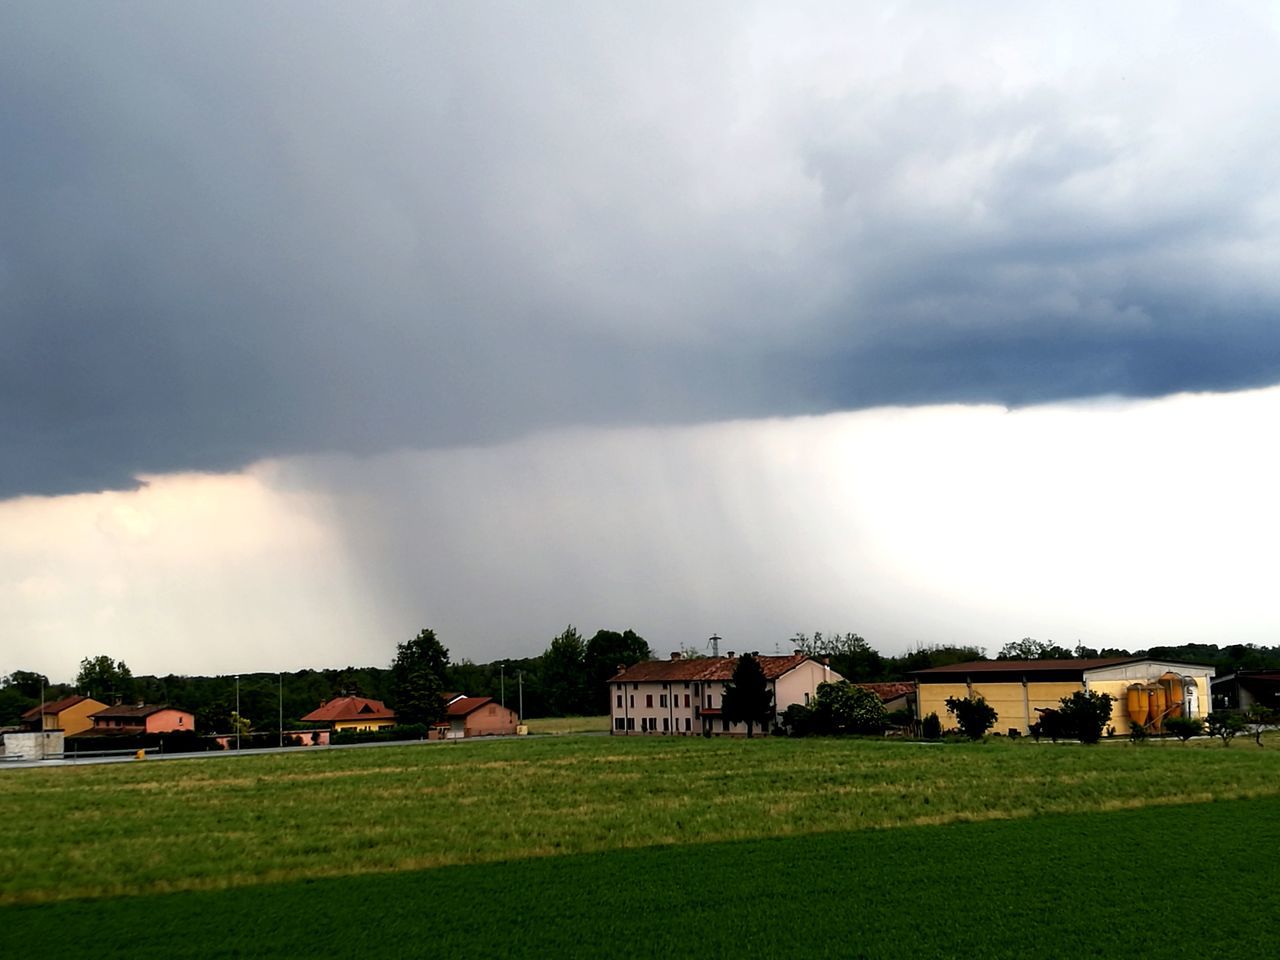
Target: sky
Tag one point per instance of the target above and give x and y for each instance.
(322, 323)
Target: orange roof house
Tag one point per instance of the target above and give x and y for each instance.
(353, 713)
(71, 715)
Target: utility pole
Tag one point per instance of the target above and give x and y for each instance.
(237, 712)
(281, 699)
(520, 678)
(502, 683)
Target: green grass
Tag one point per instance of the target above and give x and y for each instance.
(147, 828)
(569, 725)
(1132, 883)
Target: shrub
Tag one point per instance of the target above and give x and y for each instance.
(1224, 725)
(931, 727)
(1085, 715)
(798, 720)
(1137, 733)
(1184, 728)
(407, 731)
(973, 715)
(845, 707)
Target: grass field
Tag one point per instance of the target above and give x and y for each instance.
(601, 846)
(569, 725)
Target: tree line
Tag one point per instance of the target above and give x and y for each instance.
(567, 679)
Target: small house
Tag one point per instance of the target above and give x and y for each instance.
(476, 717)
(71, 715)
(141, 718)
(353, 713)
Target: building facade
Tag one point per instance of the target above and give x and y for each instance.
(685, 697)
(1143, 691)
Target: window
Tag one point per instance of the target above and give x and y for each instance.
(666, 725)
(648, 699)
(806, 698)
(619, 724)
(688, 724)
(664, 686)
(619, 686)
(686, 698)
(633, 700)
(662, 700)
(697, 689)
(724, 724)
(686, 686)
(710, 701)
(631, 723)
(635, 686)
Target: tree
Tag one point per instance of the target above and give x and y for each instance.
(851, 655)
(747, 697)
(1224, 725)
(1084, 715)
(1258, 718)
(564, 677)
(974, 716)
(931, 727)
(417, 679)
(28, 683)
(605, 652)
(845, 707)
(105, 679)
(1031, 649)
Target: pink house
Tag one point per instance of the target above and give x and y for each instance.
(142, 718)
(476, 717)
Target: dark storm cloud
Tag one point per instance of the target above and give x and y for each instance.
(229, 233)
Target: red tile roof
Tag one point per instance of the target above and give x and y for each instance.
(351, 708)
(702, 668)
(1027, 666)
(889, 691)
(56, 707)
(466, 705)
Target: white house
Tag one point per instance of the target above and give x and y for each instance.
(680, 696)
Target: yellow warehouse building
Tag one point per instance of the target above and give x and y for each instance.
(1143, 691)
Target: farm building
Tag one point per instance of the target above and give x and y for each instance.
(1145, 691)
(71, 715)
(142, 718)
(353, 713)
(1241, 690)
(680, 696)
(476, 717)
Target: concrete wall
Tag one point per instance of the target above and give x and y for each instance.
(33, 745)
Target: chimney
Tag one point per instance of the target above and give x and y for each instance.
(675, 654)
(621, 667)
(755, 653)
(730, 654)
